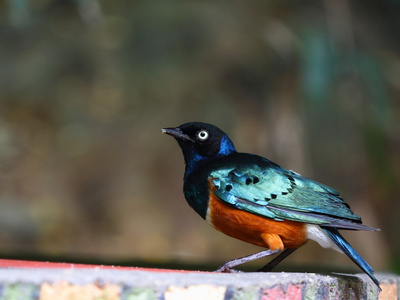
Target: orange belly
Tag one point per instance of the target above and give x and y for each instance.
(250, 228)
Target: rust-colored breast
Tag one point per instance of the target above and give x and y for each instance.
(254, 229)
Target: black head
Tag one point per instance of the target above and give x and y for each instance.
(200, 141)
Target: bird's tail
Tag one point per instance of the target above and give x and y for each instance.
(339, 240)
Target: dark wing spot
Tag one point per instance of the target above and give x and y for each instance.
(267, 199)
(284, 193)
(231, 174)
(255, 180)
(228, 188)
(273, 196)
(292, 183)
(248, 181)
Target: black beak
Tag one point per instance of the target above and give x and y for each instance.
(176, 133)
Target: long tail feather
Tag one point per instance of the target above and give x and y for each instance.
(339, 240)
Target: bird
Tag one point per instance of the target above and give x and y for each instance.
(253, 199)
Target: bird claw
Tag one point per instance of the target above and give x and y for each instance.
(226, 269)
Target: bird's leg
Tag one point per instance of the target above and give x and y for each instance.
(273, 263)
(228, 266)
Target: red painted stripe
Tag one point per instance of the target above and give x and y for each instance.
(23, 264)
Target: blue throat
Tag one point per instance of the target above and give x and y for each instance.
(193, 159)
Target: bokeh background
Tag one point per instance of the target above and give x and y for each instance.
(86, 85)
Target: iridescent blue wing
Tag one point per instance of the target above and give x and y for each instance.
(259, 186)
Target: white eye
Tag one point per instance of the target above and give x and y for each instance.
(202, 135)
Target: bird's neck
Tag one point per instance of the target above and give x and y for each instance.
(193, 159)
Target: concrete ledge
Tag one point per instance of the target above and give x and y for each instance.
(36, 280)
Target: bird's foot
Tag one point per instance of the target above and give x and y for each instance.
(226, 269)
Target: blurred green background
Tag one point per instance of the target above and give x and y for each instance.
(86, 85)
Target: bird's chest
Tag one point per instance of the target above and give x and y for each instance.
(196, 194)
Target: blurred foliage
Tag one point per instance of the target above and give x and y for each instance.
(86, 85)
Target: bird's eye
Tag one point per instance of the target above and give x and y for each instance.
(202, 135)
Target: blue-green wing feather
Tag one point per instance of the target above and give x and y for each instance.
(262, 187)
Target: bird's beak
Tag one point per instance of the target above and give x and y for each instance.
(176, 133)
